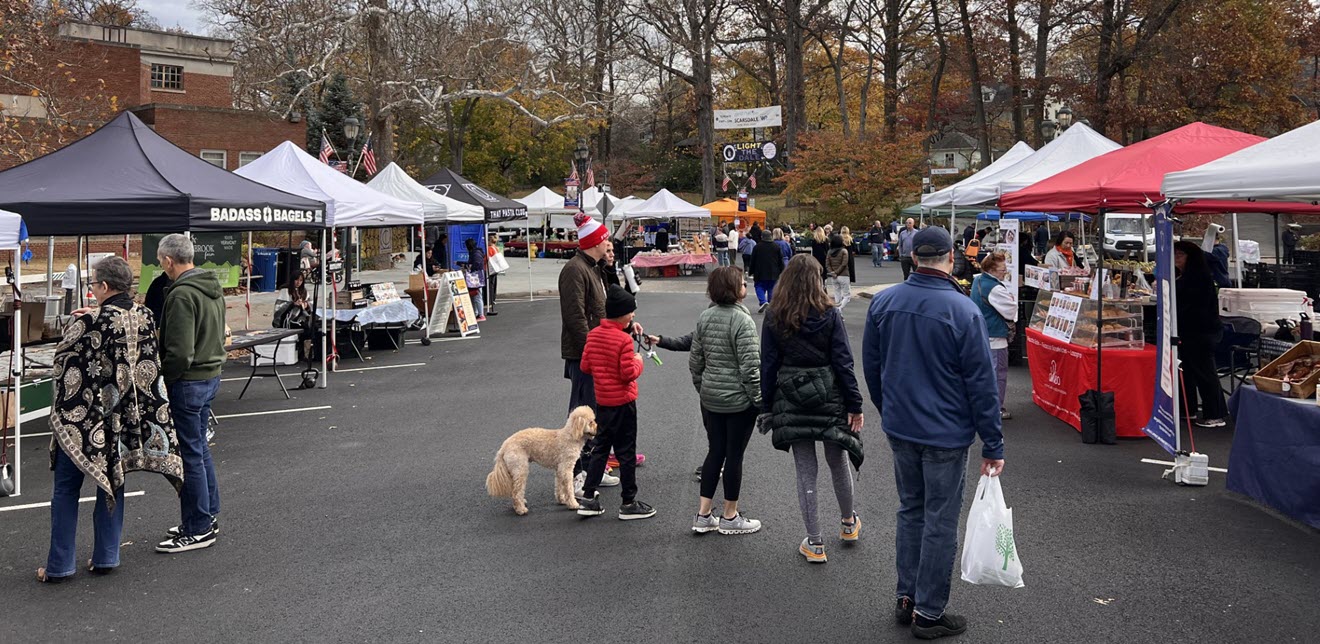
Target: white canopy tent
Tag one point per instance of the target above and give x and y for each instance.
(666, 205)
(542, 204)
(592, 198)
(947, 196)
(621, 207)
(1077, 144)
(1284, 168)
(347, 202)
(436, 208)
(12, 234)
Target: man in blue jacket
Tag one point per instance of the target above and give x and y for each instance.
(926, 358)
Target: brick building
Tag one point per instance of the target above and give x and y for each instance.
(181, 85)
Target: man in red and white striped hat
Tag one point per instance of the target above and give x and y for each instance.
(581, 307)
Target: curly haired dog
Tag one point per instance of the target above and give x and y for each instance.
(556, 449)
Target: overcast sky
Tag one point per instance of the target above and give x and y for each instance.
(175, 12)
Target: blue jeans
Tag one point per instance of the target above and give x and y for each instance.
(722, 256)
(877, 254)
(764, 288)
(930, 490)
(190, 406)
(106, 525)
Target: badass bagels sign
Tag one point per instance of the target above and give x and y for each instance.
(266, 215)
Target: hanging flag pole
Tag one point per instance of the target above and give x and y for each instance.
(366, 146)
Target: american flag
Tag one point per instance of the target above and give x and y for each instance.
(573, 174)
(724, 185)
(369, 158)
(752, 181)
(327, 150)
(591, 177)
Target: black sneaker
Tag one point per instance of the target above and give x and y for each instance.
(903, 611)
(186, 542)
(929, 629)
(178, 529)
(589, 507)
(635, 510)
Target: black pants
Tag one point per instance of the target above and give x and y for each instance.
(728, 435)
(491, 281)
(616, 427)
(906, 263)
(1197, 353)
(582, 391)
(747, 264)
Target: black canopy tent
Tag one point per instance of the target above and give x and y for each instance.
(497, 208)
(125, 179)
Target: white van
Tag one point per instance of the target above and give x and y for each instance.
(1125, 233)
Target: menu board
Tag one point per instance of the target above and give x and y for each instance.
(1036, 277)
(1061, 320)
(453, 307)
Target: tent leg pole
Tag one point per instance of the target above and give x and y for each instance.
(1237, 259)
(1278, 253)
(247, 296)
(531, 295)
(426, 295)
(50, 266)
(16, 377)
(324, 326)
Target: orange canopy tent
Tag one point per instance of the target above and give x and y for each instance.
(726, 210)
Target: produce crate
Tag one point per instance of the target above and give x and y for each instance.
(1302, 389)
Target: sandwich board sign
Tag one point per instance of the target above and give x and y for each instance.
(453, 308)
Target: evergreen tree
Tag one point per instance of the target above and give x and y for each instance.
(337, 104)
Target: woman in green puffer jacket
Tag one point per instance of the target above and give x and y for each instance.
(809, 394)
(725, 364)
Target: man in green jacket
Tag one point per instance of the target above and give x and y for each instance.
(192, 351)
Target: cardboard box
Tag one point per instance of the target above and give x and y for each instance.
(34, 324)
(1303, 389)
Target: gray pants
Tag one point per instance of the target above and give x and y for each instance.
(1001, 373)
(804, 457)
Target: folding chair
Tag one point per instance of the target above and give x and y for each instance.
(1238, 353)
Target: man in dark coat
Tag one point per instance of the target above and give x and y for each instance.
(767, 263)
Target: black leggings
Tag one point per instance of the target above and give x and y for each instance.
(728, 435)
(1200, 379)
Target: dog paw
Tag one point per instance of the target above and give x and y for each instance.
(520, 511)
(572, 505)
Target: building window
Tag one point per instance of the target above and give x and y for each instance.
(217, 158)
(166, 77)
(948, 159)
(245, 158)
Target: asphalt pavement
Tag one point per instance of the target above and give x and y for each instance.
(362, 517)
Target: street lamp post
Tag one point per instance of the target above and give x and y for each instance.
(581, 156)
(352, 127)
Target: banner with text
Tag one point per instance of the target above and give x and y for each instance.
(220, 253)
(1009, 234)
(747, 119)
(1163, 424)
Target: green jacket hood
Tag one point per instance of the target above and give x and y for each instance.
(203, 281)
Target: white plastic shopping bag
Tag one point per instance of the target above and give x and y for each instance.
(989, 551)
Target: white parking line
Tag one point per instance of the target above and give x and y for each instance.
(272, 412)
(1171, 464)
(46, 504)
(392, 366)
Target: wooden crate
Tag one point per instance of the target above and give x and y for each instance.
(1303, 389)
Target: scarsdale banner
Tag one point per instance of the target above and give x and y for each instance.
(220, 253)
(746, 119)
(1163, 424)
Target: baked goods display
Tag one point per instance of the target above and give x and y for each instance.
(1293, 370)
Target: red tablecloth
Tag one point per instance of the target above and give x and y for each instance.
(647, 260)
(1060, 372)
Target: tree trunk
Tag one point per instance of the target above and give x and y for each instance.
(456, 132)
(865, 95)
(705, 99)
(936, 76)
(1043, 85)
(892, 60)
(795, 93)
(1015, 70)
(1104, 62)
(598, 69)
(378, 64)
(974, 68)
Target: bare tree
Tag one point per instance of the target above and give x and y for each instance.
(974, 71)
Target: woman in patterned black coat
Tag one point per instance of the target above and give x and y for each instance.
(109, 416)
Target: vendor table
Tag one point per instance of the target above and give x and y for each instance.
(252, 339)
(1061, 371)
(646, 260)
(1276, 452)
(395, 315)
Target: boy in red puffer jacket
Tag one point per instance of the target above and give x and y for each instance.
(614, 366)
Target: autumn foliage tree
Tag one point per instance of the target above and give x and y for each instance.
(54, 103)
(856, 179)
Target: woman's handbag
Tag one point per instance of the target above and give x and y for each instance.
(497, 264)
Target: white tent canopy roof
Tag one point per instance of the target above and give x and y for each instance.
(10, 226)
(1284, 168)
(545, 202)
(943, 198)
(347, 202)
(591, 201)
(621, 207)
(393, 181)
(1077, 144)
(666, 205)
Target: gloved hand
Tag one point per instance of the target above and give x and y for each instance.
(763, 423)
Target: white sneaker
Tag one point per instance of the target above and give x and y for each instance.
(606, 480)
(578, 482)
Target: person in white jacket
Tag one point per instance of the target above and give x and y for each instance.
(1000, 309)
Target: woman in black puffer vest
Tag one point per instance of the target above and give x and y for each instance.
(809, 394)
